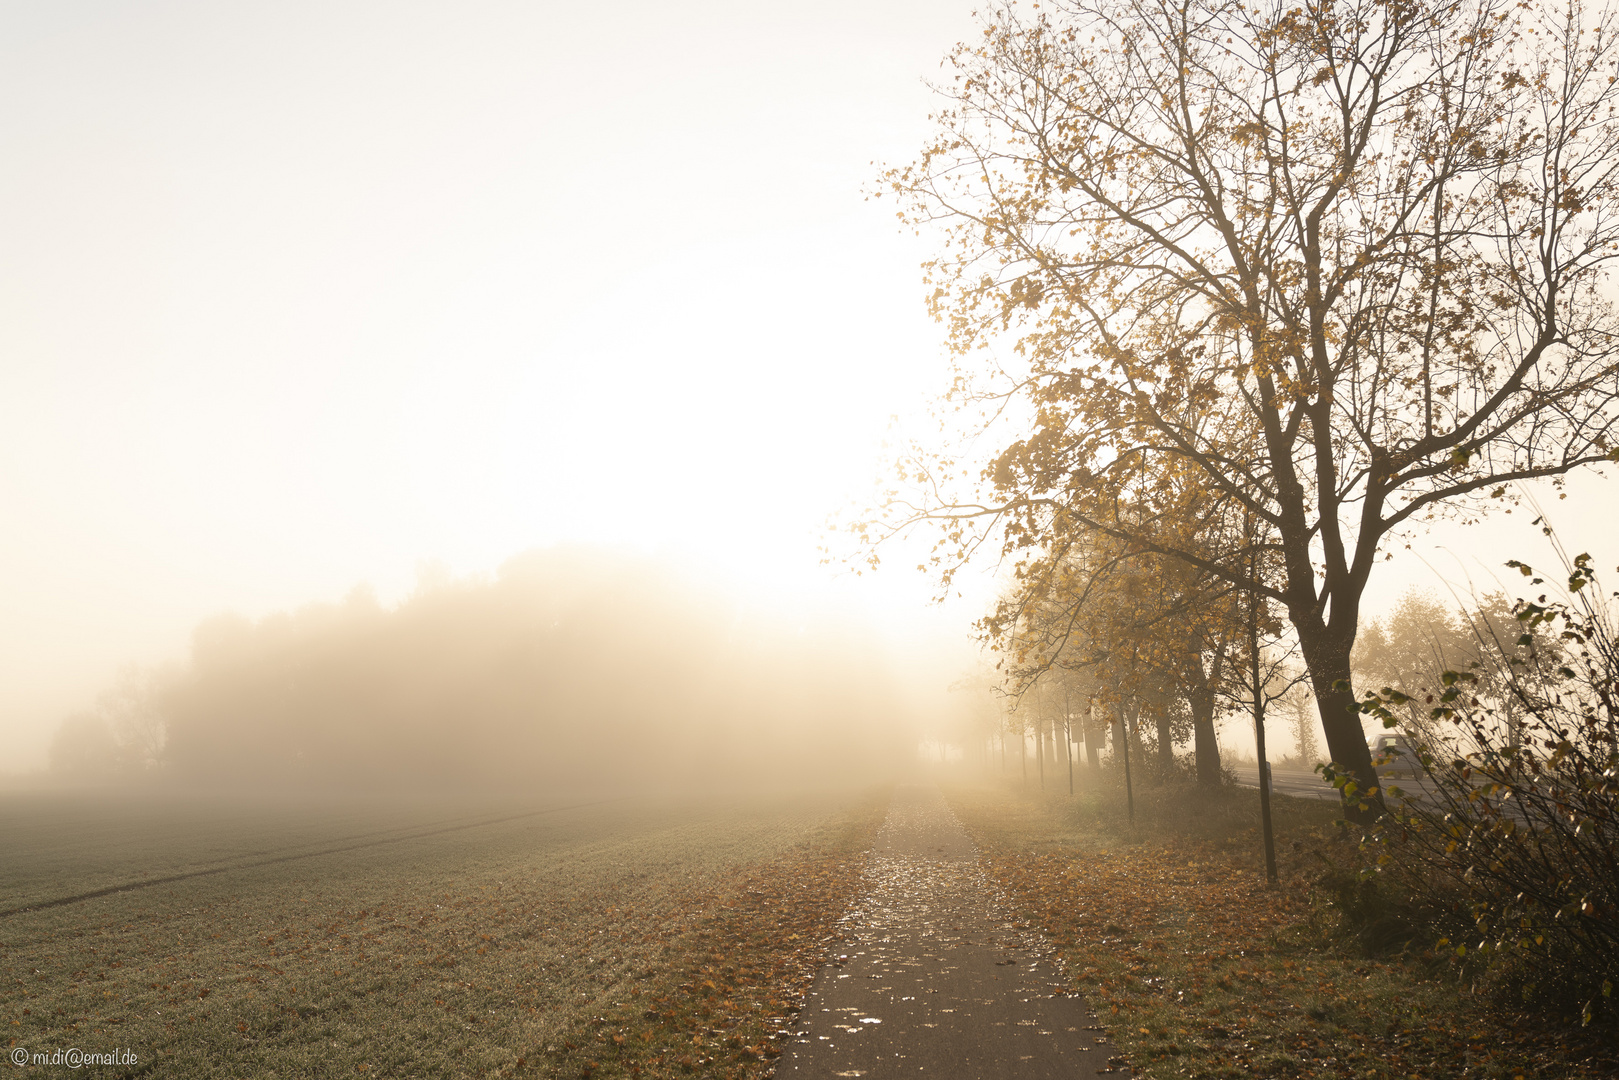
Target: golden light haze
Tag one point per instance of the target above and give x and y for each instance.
(300, 296)
(295, 297)
(571, 669)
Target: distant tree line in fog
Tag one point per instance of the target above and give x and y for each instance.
(570, 667)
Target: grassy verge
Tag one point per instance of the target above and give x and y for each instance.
(718, 1002)
(1200, 969)
(629, 938)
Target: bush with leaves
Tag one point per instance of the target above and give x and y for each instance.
(1508, 845)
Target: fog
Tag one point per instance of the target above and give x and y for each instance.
(298, 299)
(571, 667)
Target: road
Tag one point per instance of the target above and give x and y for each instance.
(1302, 784)
(1298, 783)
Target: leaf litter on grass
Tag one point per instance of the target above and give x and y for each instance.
(726, 993)
(1199, 969)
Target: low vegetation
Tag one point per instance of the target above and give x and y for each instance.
(633, 937)
(1509, 855)
(1200, 969)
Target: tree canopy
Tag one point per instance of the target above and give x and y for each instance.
(1331, 268)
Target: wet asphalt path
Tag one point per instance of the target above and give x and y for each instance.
(931, 981)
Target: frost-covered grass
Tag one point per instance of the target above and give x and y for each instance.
(414, 939)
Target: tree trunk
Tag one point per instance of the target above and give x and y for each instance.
(1093, 742)
(1166, 747)
(1040, 752)
(1068, 745)
(1200, 696)
(1123, 745)
(1326, 655)
(1263, 760)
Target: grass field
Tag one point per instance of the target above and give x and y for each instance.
(1199, 969)
(369, 938)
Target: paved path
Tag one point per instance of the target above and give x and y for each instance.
(931, 981)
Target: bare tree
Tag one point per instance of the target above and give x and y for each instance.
(1298, 705)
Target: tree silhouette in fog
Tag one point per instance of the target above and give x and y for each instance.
(569, 667)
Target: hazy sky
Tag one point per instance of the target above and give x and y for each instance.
(295, 296)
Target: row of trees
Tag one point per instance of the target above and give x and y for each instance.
(572, 667)
(1239, 294)
(1503, 853)
(1133, 641)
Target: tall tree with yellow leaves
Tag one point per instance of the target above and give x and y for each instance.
(1340, 262)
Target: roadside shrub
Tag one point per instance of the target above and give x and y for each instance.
(1377, 917)
(1508, 842)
